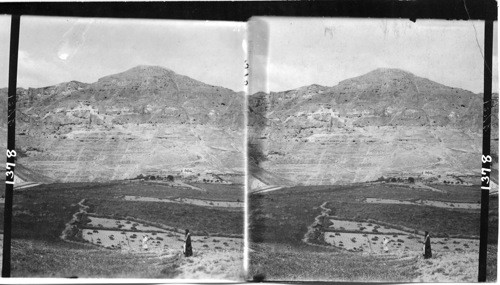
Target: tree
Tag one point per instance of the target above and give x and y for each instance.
(170, 178)
(411, 179)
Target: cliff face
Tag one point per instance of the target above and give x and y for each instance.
(387, 123)
(147, 120)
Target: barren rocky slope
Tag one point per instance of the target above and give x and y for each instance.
(147, 120)
(387, 123)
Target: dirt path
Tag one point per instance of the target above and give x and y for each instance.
(69, 225)
(422, 185)
(25, 185)
(179, 184)
(311, 228)
(268, 189)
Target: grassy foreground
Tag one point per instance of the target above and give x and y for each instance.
(275, 262)
(39, 259)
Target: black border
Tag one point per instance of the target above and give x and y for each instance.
(243, 10)
(11, 142)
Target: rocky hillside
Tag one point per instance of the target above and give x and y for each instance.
(147, 120)
(387, 123)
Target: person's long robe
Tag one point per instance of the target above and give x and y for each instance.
(427, 247)
(188, 249)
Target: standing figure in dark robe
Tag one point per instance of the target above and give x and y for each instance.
(188, 249)
(427, 246)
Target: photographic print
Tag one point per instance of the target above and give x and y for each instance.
(364, 150)
(130, 138)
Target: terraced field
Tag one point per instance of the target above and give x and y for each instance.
(439, 204)
(368, 237)
(127, 235)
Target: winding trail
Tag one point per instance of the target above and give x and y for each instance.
(69, 225)
(310, 229)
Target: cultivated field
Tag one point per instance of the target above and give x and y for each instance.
(337, 232)
(98, 230)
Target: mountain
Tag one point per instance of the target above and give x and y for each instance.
(147, 120)
(387, 122)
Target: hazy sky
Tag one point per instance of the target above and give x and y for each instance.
(54, 50)
(325, 51)
(292, 53)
